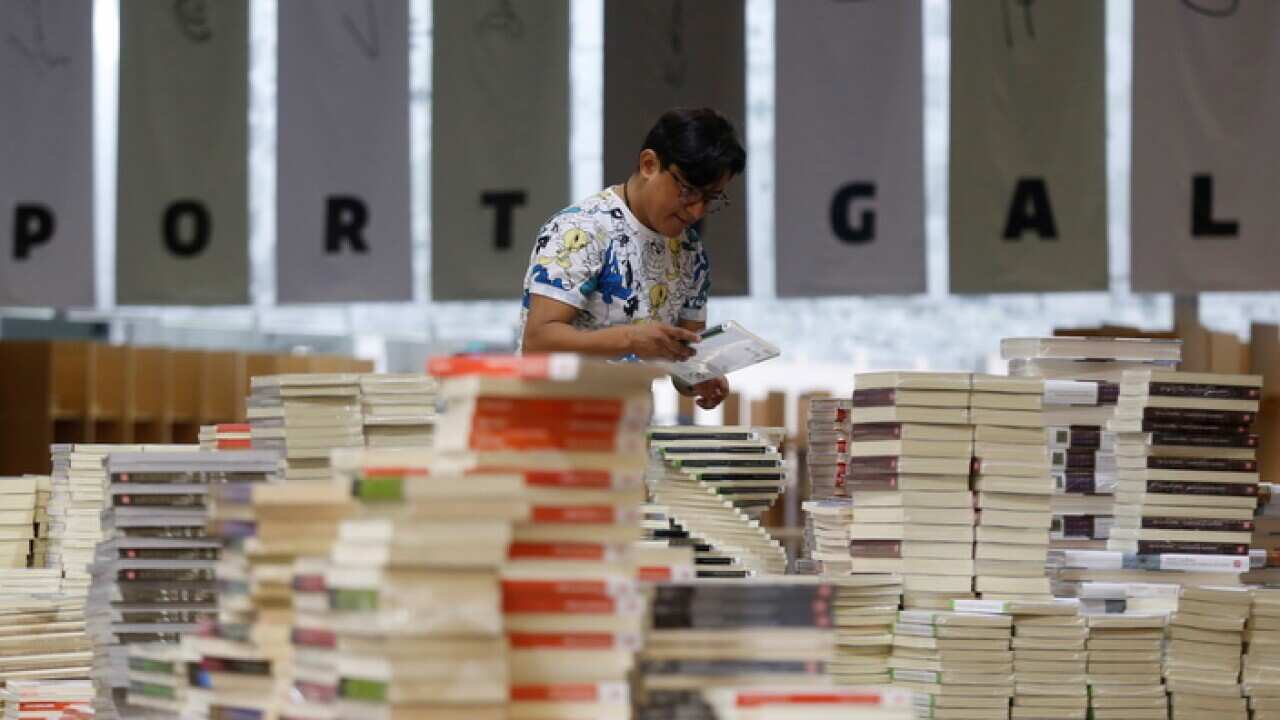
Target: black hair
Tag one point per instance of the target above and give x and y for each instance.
(701, 141)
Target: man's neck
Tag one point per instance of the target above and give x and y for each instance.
(632, 191)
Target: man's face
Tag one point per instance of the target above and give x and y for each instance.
(674, 204)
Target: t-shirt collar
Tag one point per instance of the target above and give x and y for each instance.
(637, 227)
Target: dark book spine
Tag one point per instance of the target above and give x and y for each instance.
(1076, 527)
(1178, 487)
(719, 450)
(747, 490)
(1192, 439)
(744, 462)
(1209, 524)
(1201, 428)
(876, 431)
(878, 464)
(1078, 481)
(1076, 459)
(182, 501)
(1156, 547)
(702, 436)
(879, 397)
(730, 477)
(1084, 439)
(168, 553)
(1208, 464)
(1206, 417)
(875, 548)
(1190, 390)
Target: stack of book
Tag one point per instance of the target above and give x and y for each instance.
(1083, 500)
(399, 409)
(158, 686)
(226, 436)
(574, 439)
(40, 543)
(17, 520)
(663, 532)
(1125, 664)
(1203, 659)
(75, 504)
(827, 507)
(801, 703)
(1049, 658)
(1012, 476)
(154, 571)
(723, 634)
(305, 416)
(714, 481)
(1188, 478)
(42, 699)
(960, 662)
(866, 609)
(42, 637)
(1261, 670)
(908, 474)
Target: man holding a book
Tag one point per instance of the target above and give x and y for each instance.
(624, 273)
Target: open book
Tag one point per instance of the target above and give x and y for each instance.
(723, 349)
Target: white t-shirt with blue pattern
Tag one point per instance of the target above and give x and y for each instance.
(598, 258)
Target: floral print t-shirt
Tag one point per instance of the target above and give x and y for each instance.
(598, 258)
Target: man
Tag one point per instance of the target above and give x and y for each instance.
(624, 273)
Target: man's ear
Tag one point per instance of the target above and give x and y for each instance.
(650, 165)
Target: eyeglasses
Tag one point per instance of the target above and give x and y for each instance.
(690, 195)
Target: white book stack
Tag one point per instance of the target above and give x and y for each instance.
(1083, 500)
(714, 481)
(154, 571)
(1261, 665)
(1203, 660)
(41, 699)
(399, 409)
(305, 416)
(962, 663)
(1012, 469)
(908, 474)
(802, 703)
(866, 608)
(827, 507)
(1125, 664)
(1187, 487)
(1049, 657)
(42, 636)
(18, 519)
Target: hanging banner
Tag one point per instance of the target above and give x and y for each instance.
(342, 149)
(1206, 108)
(182, 229)
(1028, 184)
(499, 140)
(46, 153)
(849, 148)
(663, 54)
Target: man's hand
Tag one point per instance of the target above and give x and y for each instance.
(709, 393)
(659, 341)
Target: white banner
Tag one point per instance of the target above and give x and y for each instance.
(1028, 182)
(662, 54)
(46, 153)
(182, 226)
(342, 148)
(499, 140)
(850, 148)
(1206, 146)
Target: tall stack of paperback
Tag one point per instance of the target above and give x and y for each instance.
(1125, 665)
(1203, 659)
(1261, 670)
(17, 520)
(1012, 478)
(42, 636)
(713, 482)
(154, 571)
(1083, 500)
(1049, 657)
(75, 504)
(399, 409)
(960, 664)
(723, 634)
(572, 433)
(1188, 477)
(251, 647)
(827, 505)
(908, 473)
(801, 703)
(305, 416)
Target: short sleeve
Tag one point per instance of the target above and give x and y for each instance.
(566, 258)
(695, 304)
